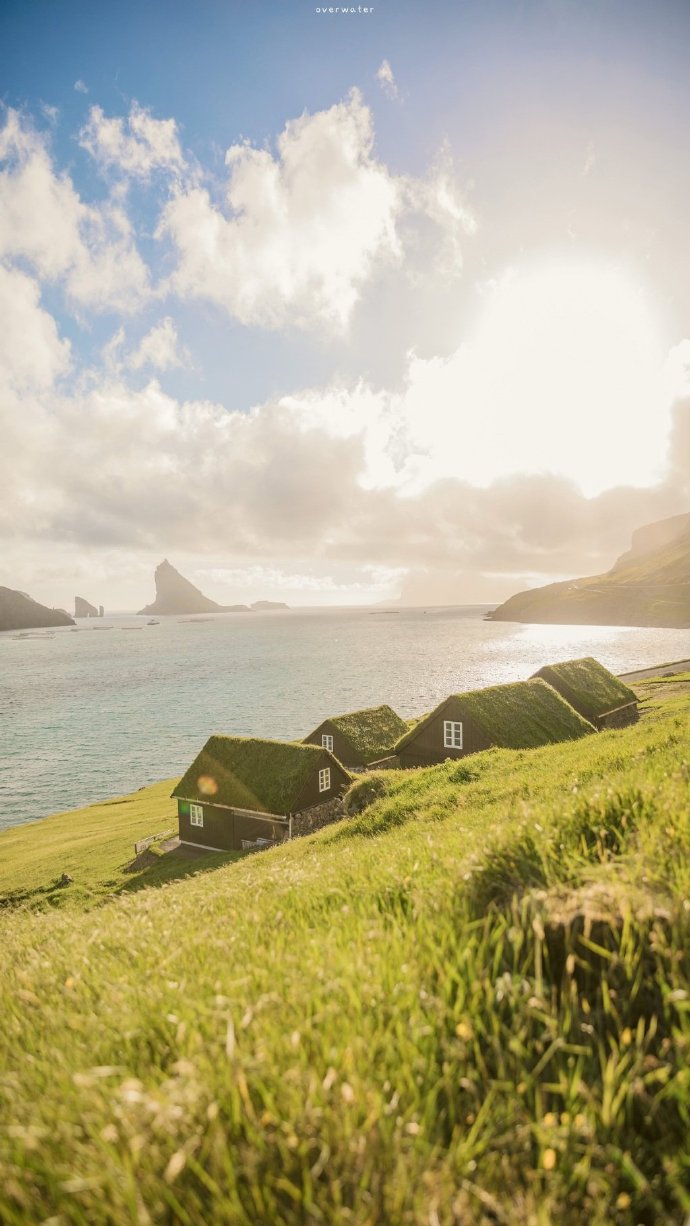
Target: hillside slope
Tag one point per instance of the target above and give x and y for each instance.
(19, 612)
(647, 586)
(467, 1005)
(95, 847)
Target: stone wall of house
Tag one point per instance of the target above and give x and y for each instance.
(316, 817)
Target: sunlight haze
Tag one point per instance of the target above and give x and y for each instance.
(387, 308)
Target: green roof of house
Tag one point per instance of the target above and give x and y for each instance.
(521, 715)
(588, 686)
(371, 732)
(248, 773)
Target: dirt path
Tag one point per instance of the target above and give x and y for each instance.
(659, 670)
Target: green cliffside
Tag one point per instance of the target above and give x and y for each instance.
(647, 586)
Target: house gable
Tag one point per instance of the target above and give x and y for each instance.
(342, 749)
(312, 794)
(521, 715)
(589, 687)
(427, 740)
(360, 737)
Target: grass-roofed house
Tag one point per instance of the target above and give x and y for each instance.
(517, 716)
(591, 689)
(240, 790)
(360, 738)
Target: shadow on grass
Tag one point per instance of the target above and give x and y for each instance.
(174, 865)
(52, 894)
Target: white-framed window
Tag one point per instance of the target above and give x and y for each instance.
(196, 815)
(452, 734)
(326, 741)
(325, 779)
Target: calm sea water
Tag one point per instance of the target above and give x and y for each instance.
(107, 708)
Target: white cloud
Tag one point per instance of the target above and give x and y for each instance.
(677, 372)
(43, 220)
(256, 580)
(386, 79)
(306, 229)
(159, 348)
(80, 87)
(316, 475)
(137, 146)
(32, 355)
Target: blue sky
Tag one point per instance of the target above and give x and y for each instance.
(385, 315)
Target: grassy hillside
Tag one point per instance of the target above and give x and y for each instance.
(468, 1004)
(95, 846)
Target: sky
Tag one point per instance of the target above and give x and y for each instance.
(339, 305)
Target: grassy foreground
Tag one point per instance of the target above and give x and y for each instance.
(468, 1004)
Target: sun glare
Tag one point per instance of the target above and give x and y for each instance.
(563, 372)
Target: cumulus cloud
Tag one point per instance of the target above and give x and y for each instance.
(137, 145)
(257, 579)
(43, 220)
(159, 348)
(292, 479)
(304, 230)
(80, 87)
(449, 474)
(386, 79)
(32, 354)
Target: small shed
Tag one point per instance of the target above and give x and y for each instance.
(591, 689)
(240, 791)
(361, 737)
(521, 715)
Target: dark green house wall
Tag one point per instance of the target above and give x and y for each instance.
(225, 829)
(427, 747)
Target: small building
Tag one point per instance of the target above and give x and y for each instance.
(360, 738)
(522, 715)
(242, 791)
(593, 691)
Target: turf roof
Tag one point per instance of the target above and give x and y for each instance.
(371, 732)
(249, 773)
(521, 715)
(587, 686)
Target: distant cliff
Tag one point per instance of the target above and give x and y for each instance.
(647, 586)
(175, 594)
(260, 605)
(19, 612)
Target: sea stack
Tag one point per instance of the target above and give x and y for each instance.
(175, 594)
(82, 608)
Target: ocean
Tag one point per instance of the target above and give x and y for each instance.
(115, 704)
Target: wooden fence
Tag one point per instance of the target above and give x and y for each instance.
(153, 838)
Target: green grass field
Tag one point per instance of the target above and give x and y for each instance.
(95, 846)
(470, 1003)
